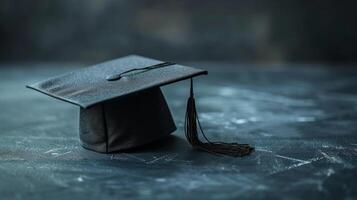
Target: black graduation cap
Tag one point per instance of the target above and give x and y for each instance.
(122, 106)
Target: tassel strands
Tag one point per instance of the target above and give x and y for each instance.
(192, 123)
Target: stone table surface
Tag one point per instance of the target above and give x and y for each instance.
(301, 119)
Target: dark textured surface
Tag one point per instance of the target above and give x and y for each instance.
(301, 119)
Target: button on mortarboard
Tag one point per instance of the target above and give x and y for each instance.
(122, 106)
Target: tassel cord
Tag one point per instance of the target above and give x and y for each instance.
(191, 123)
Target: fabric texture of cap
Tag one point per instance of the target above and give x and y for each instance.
(89, 86)
(128, 122)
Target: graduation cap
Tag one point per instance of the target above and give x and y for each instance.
(122, 105)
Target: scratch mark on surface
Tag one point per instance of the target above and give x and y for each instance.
(305, 119)
(80, 179)
(61, 154)
(171, 158)
(117, 157)
(183, 161)
(263, 150)
(299, 163)
(11, 159)
(52, 150)
(135, 157)
(303, 163)
(289, 158)
(40, 138)
(157, 159)
(330, 171)
(331, 158)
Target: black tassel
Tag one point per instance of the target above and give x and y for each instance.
(191, 122)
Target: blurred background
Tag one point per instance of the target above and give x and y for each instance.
(246, 31)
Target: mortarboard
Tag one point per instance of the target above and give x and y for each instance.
(122, 105)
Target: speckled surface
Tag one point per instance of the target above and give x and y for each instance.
(301, 119)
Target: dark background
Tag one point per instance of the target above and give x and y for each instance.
(245, 31)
